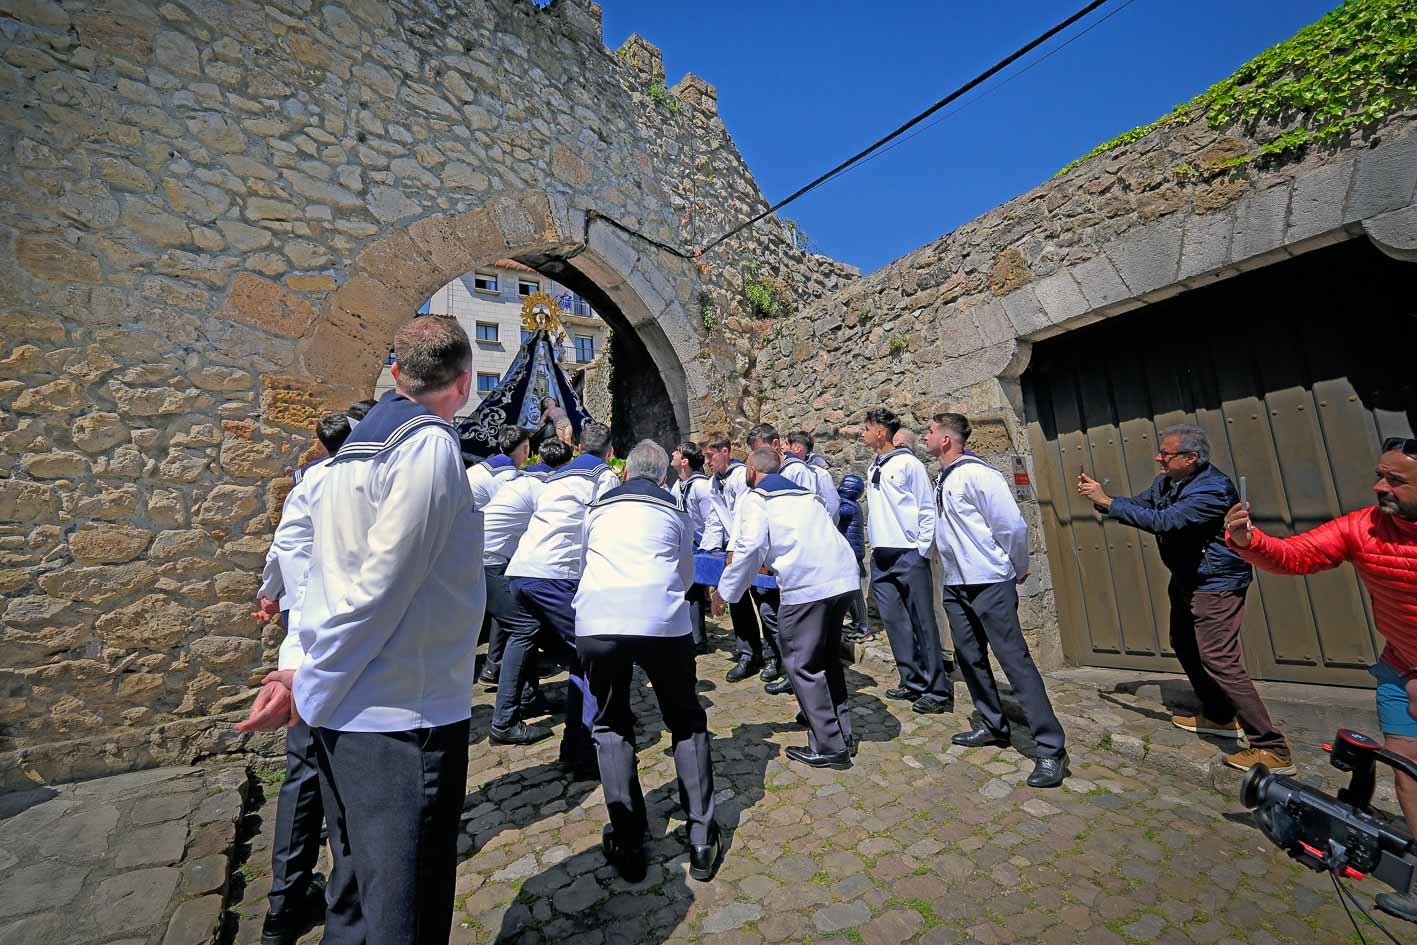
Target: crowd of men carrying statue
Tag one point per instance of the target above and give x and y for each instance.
(392, 561)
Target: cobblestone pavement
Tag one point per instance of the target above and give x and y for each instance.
(132, 859)
(919, 842)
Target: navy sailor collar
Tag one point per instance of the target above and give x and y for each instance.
(774, 484)
(638, 489)
(500, 461)
(393, 419)
(586, 464)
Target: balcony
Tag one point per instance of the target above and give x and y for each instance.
(577, 307)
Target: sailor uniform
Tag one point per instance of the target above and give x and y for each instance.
(394, 592)
(694, 497)
(546, 568)
(901, 528)
(983, 541)
(786, 528)
(630, 609)
(300, 811)
(504, 521)
(490, 475)
(826, 488)
(727, 487)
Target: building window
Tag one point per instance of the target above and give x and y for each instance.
(486, 331)
(487, 383)
(585, 348)
(526, 335)
(528, 286)
(485, 281)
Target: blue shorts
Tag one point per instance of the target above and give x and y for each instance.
(1393, 716)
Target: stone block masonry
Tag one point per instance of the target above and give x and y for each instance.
(215, 215)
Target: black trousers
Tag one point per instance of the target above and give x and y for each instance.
(768, 601)
(517, 683)
(394, 800)
(810, 637)
(609, 664)
(698, 609)
(299, 813)
(746, 633)
(857, 610)
(904, 591)
(984, 617)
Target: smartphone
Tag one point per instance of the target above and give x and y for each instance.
(1244, 494)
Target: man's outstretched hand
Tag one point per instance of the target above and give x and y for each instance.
(274, 707)
(1238, 525)
(267, 611)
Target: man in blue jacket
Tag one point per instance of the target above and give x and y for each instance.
(1185, 509)
(851, 522)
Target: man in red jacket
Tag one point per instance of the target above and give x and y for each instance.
(1381, 543)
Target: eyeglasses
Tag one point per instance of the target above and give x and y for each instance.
(1173, 455)
(1404, 444)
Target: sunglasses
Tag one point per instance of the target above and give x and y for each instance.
(1403, 444)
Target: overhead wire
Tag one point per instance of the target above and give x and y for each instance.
(879, 146)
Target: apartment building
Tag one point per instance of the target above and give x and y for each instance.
(488, 304)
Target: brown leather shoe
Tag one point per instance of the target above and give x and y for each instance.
(1204, 726)
(1247, 757)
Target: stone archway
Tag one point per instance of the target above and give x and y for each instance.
(345, 342)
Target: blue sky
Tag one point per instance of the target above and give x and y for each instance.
(803, 85)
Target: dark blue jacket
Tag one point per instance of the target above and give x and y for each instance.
(849, 519)
(1188, 521)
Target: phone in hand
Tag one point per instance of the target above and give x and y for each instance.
(1244, 494)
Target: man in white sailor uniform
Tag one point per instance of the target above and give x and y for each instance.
(785, 527)
(394, 587)
(546, 568)
(294, 899)
(801, 445)
(693, 493)
(485, 478)
(728, 481)
(630, 609)
(766, 599)
(504, 521)
(900, 525)
(983, 542)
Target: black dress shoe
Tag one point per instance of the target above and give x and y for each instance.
(929, 705)
(1049, 772)
(747, 665)
(704, 858)
(980, 737)
(778, 686)
(286, 927)
(518, 733)
(629, 861)
(903, 694)
(490, 672)
(772, 669)
(701, 649)
(837, 760)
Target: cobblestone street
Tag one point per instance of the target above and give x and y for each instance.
(919, 842)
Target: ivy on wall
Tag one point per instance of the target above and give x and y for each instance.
(1350, 70)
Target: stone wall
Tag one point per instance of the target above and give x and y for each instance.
(214, 215)
(949, 326)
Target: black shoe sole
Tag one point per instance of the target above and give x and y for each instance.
(904, 697)
(496, 739)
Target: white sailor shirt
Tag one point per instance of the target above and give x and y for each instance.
(288, 563)
(505, 518)
(900, 503)
(696, 500)
(981, 533)
(638, 565)
(780, 525)
(551, 547)
(488, 476)
(725, 491)
(395, 593)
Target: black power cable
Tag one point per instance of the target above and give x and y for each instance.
(963, 89)
(859, 157)
(1345, 891)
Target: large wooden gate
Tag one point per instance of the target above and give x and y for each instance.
(1296, 371)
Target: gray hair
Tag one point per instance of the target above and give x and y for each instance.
(647, 460)
(1193, 440)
